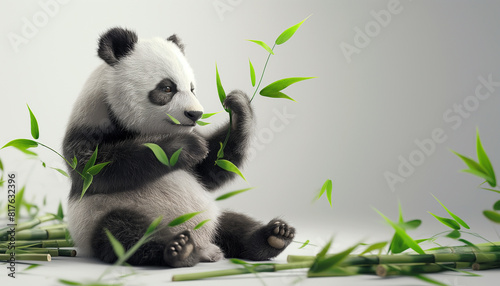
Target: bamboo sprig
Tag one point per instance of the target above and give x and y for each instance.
(40, 243)
(34, 257)
(29, 224)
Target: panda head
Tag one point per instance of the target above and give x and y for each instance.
(145, 80)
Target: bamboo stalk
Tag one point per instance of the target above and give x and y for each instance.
(35, 257)
(40, 243)
(345, 271)
(29, 224)
(41, 234)
(485, 266)
(384, 270)
(52, 251)
(59, 225)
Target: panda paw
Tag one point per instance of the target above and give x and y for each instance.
(238, 102)
(280, 234)
(181, 252)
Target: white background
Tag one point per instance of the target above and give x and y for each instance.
(352, 124)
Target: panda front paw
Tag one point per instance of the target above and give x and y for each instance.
(181, 251)
(239, 103)
(194, 149)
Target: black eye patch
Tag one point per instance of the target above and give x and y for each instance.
(163, 92)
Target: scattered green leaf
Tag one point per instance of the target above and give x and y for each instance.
(446, 221)
(332, 261)
(304, 244)
(21, 144)
(230, 194)
(154, 224)
(175, 157)
(412, 224)
(468, 243)
(492, 215)
(117, 246)
(220, 89)
(68, 282)
(454, 234)
(264, 45)
(496, 206)
(252, 73)
(277, 94)
(475, 168)
(60, 213)
(182, 219)
(91, 161)
(31, 267)
(429, 280)
(35, 133)
(374, 246)
(202, 223)
(288, 33)
(208, 115)
(201, 123)
(174, 120)
(87, 180)
(74, 163)
(94, 170)
(455, 217)
(484, 161)
(61, 172)
(159, 153)
(228, 166)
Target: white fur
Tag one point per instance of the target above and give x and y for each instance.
(173, 195)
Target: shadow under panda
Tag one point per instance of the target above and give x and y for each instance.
(123, 105)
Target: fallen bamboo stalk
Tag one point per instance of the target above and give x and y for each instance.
(52, 251)
(35, 257)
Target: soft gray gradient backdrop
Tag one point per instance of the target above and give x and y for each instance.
(350, 124)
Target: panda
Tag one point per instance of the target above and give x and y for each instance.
(123, 105)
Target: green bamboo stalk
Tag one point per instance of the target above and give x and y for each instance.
(485, 266)
(35, 257)
(29, 224)
(52, 251)
(52, 226)
(345, 271)
(40, 243)
(384, 270)
(41, 234)
(464, 249)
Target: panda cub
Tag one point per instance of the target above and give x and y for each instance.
(123, 105)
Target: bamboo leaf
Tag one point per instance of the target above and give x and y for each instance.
(174, 120)
(175, 157)
(492, 215)
(264, 45)
(496, 206)
(454, 234)
(412, 224)
(31, 267)
(201, 224)
(252, 73)
(71, 283)
(324, 250)
(327, 187)
(281, 84)
(201, 123)
(21, 144)
(74, 163)
(484, 161)
(91, 161)
(182, 219)
(446, 221)
(61, 172)
(491, 190)
(468, 243)
(331, 261)
(228, 166)
(429, 280)
(208, 115)
(230, 194)
(154, 224)
(60, 213)
(375, 246)
(288, 33)
(304, 244)
(87, 180)
(117, 246)
(402, 233)
(35, 133)
(1, 166)
(475, 168)
(238, 261)
(478, 173)
(159, 153)
(277, 94)
(94, 170)
(455, 217)
(220, 89)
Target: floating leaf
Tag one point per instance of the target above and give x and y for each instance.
(403, 235)
(175, 157)
(228, 166)
(44, 165)
(429, 280)
(264, 45)
(94, 170)
(304, 244)
(174, 119)
(484, 161)
(454, 234)
(455, 217)
(31, 267)
(91, 161)
(492, 215)
(281, 84)
(61, 172)
(208, 115)
(35, 133)
(201, 224)
(252, 73)
(328, 187)
(288, 33)
(72, 283)
(117, 246)
(230, 194)
(182, 219)
(21, 144)
(60, 213)
(220, 89)
(1, 165)
(87, 180)
(446, 221)
(201, 123)
(496, 206)
(154, 224)
(159, 153)
(412, 224)
(375, 246)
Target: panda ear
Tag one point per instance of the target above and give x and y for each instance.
(115, 44)
(174, 39)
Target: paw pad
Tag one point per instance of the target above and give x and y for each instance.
(281, 236)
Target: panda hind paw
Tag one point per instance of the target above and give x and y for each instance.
(181, 251)
(280, 234)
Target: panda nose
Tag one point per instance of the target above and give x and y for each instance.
(193, 115)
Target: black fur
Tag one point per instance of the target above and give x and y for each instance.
(176, 41)
(239, 236)
(115, 44)
(163, 92)
(128, 227)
